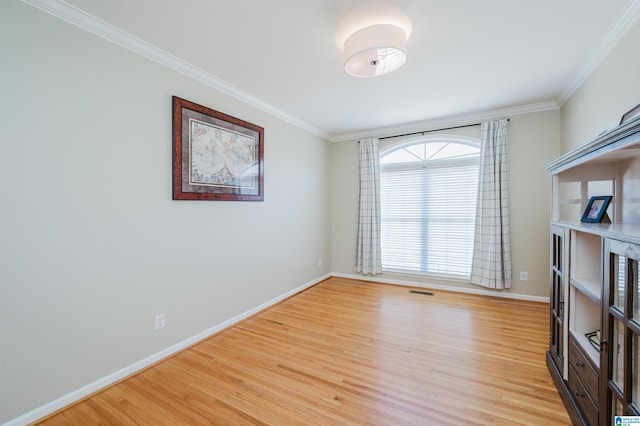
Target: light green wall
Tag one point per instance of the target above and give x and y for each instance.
(610, 91)
(534, 141)
(91, 244)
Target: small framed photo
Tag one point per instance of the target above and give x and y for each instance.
(596, 209)
(215, 156)
(631, 114)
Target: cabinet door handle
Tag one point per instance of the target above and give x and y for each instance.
(579, 364)
(579, 394)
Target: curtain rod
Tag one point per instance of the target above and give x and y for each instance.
(432, 130)
(429, 131)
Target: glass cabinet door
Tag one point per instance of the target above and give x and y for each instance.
(558, 284)
(621, 330)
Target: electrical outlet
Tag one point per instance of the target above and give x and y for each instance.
(161, 321)
(319, 261)
(524, 276)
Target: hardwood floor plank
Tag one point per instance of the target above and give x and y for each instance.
(351, 352)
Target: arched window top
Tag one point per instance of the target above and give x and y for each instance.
(431, 148)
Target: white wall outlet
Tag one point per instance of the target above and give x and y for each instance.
(319, 261)
(524, 276)
(161, 321)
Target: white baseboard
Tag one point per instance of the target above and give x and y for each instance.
(503, 294)
(102, 383)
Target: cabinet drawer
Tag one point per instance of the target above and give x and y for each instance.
(582, 398)
(584, 369)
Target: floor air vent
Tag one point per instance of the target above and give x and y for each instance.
(426, 293)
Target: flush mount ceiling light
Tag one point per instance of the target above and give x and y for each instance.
(374, 40)
(375, 50)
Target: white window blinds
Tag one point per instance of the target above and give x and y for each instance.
(428, 210)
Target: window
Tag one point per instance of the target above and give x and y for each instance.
(428, 201)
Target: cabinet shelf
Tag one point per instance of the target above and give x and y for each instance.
(586, 264)
(589, 287)
(585, 317)
(618, 230)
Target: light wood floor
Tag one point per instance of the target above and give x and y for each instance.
(351, 352)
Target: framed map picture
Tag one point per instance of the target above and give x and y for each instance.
(215, 156)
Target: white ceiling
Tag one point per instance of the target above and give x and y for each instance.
(465, 57)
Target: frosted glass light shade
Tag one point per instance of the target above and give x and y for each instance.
(375, 50)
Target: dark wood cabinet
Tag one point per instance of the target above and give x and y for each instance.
(594, 315)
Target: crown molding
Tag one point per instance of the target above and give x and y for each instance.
(103, 29)
(627, 20)
(459, 120)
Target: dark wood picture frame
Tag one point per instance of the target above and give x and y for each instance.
(215, 156)
(631, 114)
(596, 209)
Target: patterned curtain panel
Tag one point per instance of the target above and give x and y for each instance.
(368, 259)
(491, 264)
